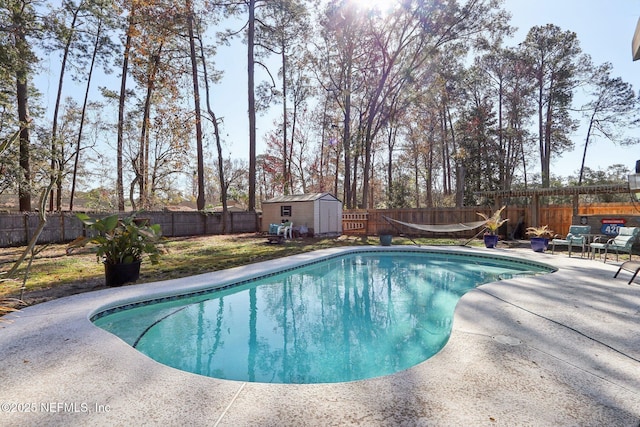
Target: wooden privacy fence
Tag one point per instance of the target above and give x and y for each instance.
(361, 222)
(557, 217)
(17, 228)
(355, 222)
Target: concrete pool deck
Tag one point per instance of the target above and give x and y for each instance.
(561, 349)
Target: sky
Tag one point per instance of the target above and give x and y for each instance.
(604, 27)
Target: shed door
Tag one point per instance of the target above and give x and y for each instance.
(329, 217)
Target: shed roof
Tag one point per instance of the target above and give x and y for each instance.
(308, 197)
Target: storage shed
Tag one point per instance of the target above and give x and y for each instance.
(319, 213)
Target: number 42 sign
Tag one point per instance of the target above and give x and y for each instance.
(610, 225)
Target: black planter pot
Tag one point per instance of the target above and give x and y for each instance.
(119, 274)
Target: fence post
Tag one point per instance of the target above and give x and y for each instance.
(62, 227)
(25, 216)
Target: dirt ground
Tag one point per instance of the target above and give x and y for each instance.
(60, 291)
(36, 296)
(31, 297)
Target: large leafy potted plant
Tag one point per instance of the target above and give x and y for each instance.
(493, 223)
(539, 237)
(121, 244)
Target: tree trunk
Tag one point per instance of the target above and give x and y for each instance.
(291, 145)
(224, 187)
(82, 115)
(56, 158)
(584, 153)
(143, 167)
(196, 100)
(429, 183)
(346, 141)
(286, 161)
(546, 154)
(390, 189)
(368, 141)
(252, 107)
(24, 188)
(121, 102)
(416, 177)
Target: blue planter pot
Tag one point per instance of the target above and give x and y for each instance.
(539, 244)
(490, 240)
(385, 239)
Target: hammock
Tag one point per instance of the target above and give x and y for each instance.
(441, 228)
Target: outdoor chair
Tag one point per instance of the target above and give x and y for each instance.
(286, 230)
(623, 242)
(631, 267)
(575, 237)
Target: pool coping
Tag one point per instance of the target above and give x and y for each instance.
(558, 349)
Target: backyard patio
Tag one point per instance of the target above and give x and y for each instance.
(558, 349)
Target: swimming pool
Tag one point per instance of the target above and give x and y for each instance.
(359, 315)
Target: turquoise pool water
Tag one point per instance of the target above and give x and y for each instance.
(348, 318)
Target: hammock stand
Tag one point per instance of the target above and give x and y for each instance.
(439, 228)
